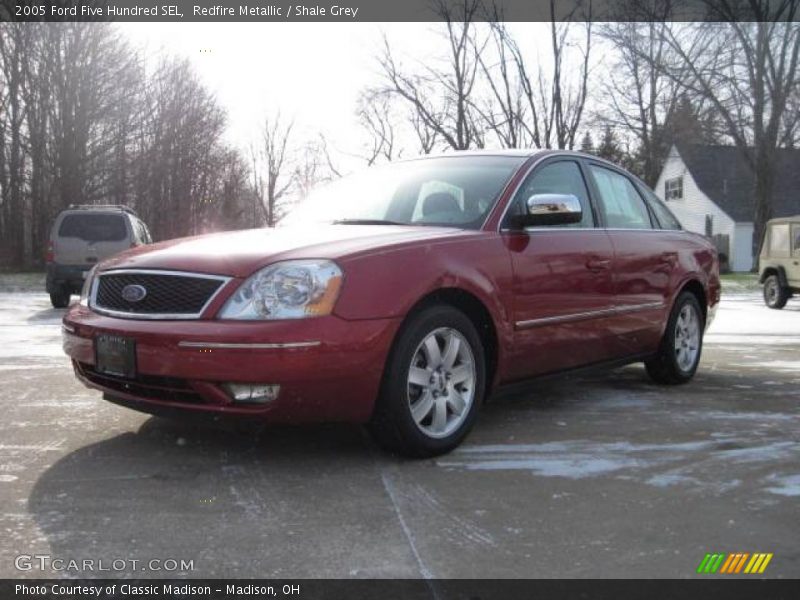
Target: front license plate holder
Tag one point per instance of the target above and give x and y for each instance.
(115, 355)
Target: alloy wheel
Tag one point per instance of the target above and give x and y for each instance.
(441, 382)
(687, 338)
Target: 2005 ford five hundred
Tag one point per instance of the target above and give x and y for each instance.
(402, 297)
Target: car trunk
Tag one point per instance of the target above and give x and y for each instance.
(84, 239)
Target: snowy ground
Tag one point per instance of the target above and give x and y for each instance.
(602, 476)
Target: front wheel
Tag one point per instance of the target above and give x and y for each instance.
(679, 352)
(775, 295)
(433, 385)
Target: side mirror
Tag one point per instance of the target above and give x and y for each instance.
(551, 209)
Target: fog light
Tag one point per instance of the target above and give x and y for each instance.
(252, 393)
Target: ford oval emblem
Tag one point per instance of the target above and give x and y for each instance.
(134, 293)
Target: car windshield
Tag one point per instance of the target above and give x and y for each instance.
(455, 191)
(93, 228)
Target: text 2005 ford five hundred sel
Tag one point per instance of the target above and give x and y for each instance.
(402, 297)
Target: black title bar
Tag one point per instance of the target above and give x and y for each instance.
(393, 10)
(711, 588)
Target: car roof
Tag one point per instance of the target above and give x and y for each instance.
(528, 153)
(107, 209)
(517, 152)
(793, 219)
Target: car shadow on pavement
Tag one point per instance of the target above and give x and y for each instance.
(47, 314)
(179, 491)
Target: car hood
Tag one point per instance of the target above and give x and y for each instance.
(240, 253)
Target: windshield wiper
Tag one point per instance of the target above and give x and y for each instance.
(366, 222)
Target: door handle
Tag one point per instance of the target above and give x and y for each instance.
(595, 265)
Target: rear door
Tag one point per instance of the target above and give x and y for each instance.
(645, 259)
(563, 286)
(85, 237)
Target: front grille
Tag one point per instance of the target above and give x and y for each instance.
(167, 294)
(152, 387)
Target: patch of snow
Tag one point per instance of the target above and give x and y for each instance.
(744, 320)
(787, 486)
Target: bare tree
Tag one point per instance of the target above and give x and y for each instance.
(81, 122)
(440, 94)
(179, 144)
(748, 71)
(376, 117)
(640, 95)
(535, 106)
(12, 45)
(272, 174)
(333, 170)
(426, 136)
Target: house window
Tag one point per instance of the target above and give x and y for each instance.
(673, 188)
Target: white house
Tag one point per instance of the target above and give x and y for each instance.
(710, 190)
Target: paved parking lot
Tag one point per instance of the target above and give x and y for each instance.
(601, 476)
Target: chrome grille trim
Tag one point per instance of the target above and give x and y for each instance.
(154, 316)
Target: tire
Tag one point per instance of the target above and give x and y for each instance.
(775, 295)
(60, 298)
(417, 412)
(679, 353)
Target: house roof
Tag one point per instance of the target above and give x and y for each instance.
(725, 177)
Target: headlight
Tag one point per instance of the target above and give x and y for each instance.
(293, 289)
(87, 287)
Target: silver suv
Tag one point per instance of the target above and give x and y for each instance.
(83, 235)
(779, 261)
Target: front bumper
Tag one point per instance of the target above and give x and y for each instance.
(328, 369)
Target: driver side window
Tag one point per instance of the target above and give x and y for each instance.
(562, 177)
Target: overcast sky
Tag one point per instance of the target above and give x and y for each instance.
(312, 72)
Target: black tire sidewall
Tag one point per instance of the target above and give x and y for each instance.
(780, 300)
(60, 298)
(683, 300)
(394, 393)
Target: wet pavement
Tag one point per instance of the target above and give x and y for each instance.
(600, 476)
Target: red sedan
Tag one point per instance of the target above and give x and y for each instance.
(403, 297)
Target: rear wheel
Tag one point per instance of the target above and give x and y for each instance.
(679, 353)
(60, 298)
(433, 385)
(775, 295)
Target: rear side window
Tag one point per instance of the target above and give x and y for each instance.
(796, 238)
(93, 227)
(664, 216)
(779, 240)
(620, 203)
(141, 232)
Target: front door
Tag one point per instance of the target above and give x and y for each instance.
(563, 282)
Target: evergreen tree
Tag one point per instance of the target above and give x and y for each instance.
(610, 148)
(587, 144)
(687, 124)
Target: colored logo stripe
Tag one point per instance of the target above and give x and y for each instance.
(710, 563)
(735, 563)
